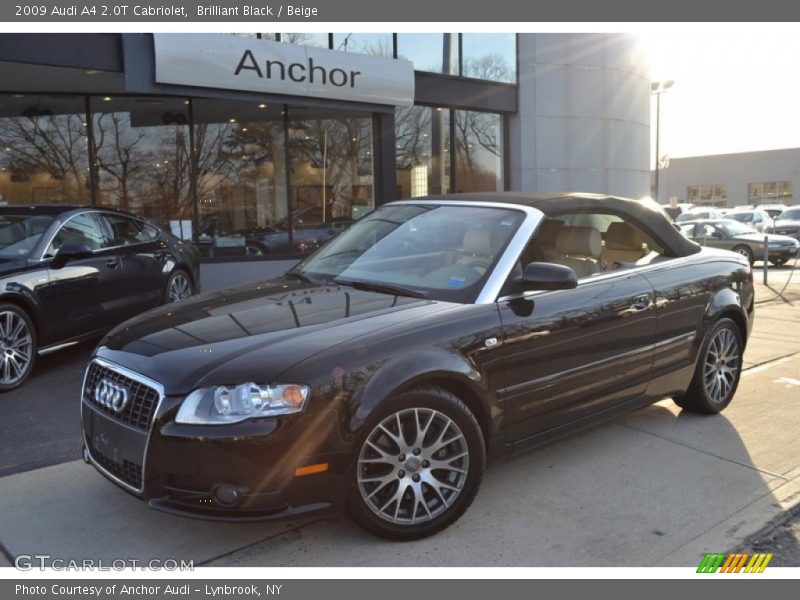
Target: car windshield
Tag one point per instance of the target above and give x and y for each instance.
(742, 217)
(793, 214)
(735, 228)
(19, 233)
(441, 252)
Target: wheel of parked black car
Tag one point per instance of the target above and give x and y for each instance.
(746, 252)
(18, 346)
(179, 286)
(779, 262)
(254, 249)
(719, 366)
(419, 465)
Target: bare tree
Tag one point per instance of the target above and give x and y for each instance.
(52, 144)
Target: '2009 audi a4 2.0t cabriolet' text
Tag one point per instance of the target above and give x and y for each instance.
(384, 372)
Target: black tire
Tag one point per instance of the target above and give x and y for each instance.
(16, 344)
(779, 262)
(254, 249)
(745, 251)
(702, 397)
(446, 416)
(179, 286)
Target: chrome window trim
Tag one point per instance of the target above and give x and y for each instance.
(138, 377)
(505, 263)
(104, 248)
(61, 225)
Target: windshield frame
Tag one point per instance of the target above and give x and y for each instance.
(504, 264)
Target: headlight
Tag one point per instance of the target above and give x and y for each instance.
(231, 404)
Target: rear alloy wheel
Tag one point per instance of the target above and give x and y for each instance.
(719, 367)
(419, 467)
(746, 252)
(779, 262)
(179, 286)
(17, 346)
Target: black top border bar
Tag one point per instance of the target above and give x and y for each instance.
(342, 11)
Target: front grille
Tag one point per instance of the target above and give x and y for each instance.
(142, 399)
(126, 472)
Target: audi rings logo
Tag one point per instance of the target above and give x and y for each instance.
(111, 395)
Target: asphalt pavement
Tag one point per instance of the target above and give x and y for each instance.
(658, 487)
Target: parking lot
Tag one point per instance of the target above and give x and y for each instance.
(657, 487)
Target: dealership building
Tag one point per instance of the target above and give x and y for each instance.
(259, 147)
(725, 180)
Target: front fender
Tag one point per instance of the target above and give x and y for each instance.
(405, 371)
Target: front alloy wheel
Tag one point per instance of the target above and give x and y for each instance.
(419, 467)
(179, 286)
(17, 346)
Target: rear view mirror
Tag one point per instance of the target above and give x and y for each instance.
(69, 252)
(548, 276)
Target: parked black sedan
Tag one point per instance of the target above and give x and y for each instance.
(69, 273)
(384, 372)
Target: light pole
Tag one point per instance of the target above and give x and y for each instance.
(657, 88)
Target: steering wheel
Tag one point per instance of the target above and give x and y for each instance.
(478, 263)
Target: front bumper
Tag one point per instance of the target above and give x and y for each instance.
(242, 471)
(782, 253)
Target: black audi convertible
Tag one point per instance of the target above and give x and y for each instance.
(383, 373)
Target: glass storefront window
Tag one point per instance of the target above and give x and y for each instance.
(489, 56)
(306, 39)
(241, 179)
(433, 52)
(143, 158)
(423, 151)
(479, 151)
(44, 156)
(332, 179)
(375, 44)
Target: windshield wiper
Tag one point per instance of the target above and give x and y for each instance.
(299, 275)
(389, 288)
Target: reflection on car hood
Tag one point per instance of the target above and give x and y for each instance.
(253, 331)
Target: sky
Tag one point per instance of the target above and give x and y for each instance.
(734, 91)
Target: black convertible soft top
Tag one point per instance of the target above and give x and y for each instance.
(646, 213)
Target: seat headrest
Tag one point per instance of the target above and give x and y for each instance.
(622, 236)
(579, 241)
(478, 241)
(548, 232)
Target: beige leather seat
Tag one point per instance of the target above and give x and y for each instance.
(544, 242)
(579, 248)
(623, 244)
(476, 248)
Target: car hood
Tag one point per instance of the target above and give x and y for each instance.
(252, 332)
(793, 223)
(9, 266)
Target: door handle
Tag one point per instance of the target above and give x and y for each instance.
(112, 263)
(641, 302)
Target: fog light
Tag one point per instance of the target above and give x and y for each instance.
(226, 494)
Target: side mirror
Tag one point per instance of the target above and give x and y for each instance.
(547, 276)
(69, 252)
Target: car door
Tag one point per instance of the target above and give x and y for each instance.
(143, 256)
(571, 353)
(81, 295)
